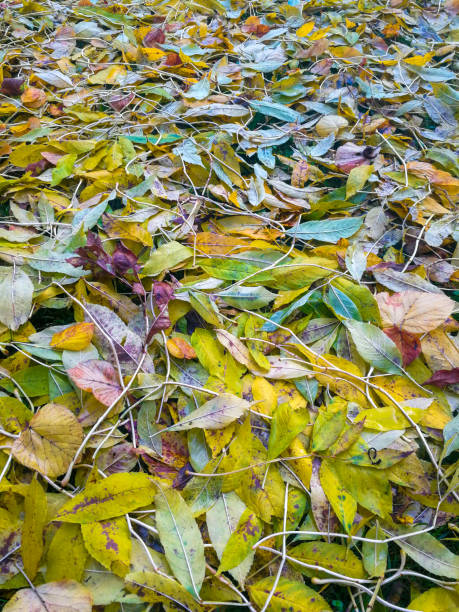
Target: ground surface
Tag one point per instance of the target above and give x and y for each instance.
(227, 306)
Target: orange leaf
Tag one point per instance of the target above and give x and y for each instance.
(300, 173)
(435, 176)
(74, 338)
(33, 97)
(179, 348)
(99, 377)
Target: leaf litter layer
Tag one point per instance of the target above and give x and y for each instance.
(228, 313)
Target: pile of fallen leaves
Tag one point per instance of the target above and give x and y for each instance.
(228, 319)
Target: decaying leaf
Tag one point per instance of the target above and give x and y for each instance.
(98, 377)
(228, 305)
(63, 596)
(49, 441)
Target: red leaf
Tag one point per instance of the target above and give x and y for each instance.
(123, 259)
(154, 37)
(98, 377)
(172, 59)
(443, 378)
(407, 344)
(162, 293)
(119, 102)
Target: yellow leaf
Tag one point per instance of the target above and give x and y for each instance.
(35, 518)
(153, 54)
(419, 60)
(66, 558)
(439, 351)
(50, 441)
(357, 178)
(305, 29)
(389, 418)
(109, 542)
(74, 338)
(436, 600)
(264, 396)
(342, 502)
(180, 348)
(320, 33)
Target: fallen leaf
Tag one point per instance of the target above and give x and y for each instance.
(49, 441)
(98, 377)
(74, 338)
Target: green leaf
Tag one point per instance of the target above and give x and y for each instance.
(250, 298)
(341, 304)
(285, 426)
(108, 498)
(288, 595)
(181, 539)
(16, 290)
(328, 425)
(375, 555)
(241, 541)
(430, 554)
(63, 169)
(375, 347)
(330, 230)
(167, 256)
(222, 521)
(278, 111)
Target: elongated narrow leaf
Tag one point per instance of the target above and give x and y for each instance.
(240, 542)
(181, 539)
(375, 347)
(154, 588)
(214, 414)
(431, 555)
(108, 498)
(330, 230)
(287, 595)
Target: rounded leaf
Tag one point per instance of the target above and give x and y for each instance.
(50, 440)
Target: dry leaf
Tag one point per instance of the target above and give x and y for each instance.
(49, 441)
(415, 312)
(98, 377)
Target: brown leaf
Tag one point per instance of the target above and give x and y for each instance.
(415, 312)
